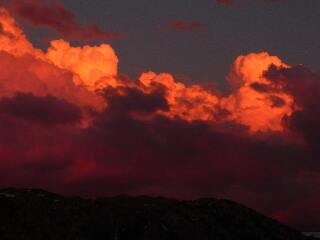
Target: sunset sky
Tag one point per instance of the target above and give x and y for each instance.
(184, 99)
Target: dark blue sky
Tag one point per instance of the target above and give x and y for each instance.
(289, 29)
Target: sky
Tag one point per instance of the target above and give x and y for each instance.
(184, 99)
(288, 29)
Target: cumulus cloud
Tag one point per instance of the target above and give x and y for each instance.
(69, 123)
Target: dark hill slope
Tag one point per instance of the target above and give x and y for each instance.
(36, 214)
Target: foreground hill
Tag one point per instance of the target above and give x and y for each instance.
(36, 214)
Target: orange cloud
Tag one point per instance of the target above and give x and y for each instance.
(27, 69)
(90, 68)
(257, 109)
(95, 67)
(12, 37)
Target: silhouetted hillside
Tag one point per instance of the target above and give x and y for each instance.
(36, 214)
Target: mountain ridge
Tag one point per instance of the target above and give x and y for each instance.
(39, 214)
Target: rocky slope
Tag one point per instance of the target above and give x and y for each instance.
(36, 214)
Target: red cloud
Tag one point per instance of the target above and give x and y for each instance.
(56, 17)
(232, 2)
(185, 26)
(225, 2)
(46, 110)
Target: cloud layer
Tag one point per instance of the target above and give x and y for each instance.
(233, 2)
(185, 26)
(70, 123)
(56, 17)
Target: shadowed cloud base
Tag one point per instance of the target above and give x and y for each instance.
(70, 123)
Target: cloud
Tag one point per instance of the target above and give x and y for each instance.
(185, 26)
(304, 84)
(55, 16)
(225, 2)
(46, 110)
(234, 2)
(69, 123)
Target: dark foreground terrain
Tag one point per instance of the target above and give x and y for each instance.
(37, 214)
